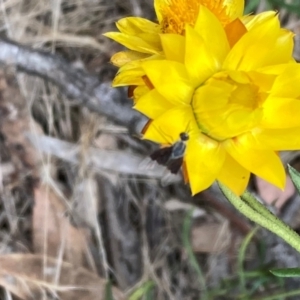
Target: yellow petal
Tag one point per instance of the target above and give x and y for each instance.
(214, 39)
(168, 126)
(139, 91)
(290, 77)
(276, 69)
(252, 21)
(157, 6)
(152, 104)
(200, 62)
(130, 77)
(173, 46)
(171, 80)
(280, 113)
(239, 77)
(234, 176)
(132, 72)
(275, 139)
(137, 43)
(262, 81)
(220, 118)
(231, 124)
(135, 25)
(154, 134)
(234, 8)
(137, 64)
(275, 47)
(121, 58)
(204, 159)
(218, 93)
(263, 163)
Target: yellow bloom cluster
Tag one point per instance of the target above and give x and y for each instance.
(228, 81)
(143, 37)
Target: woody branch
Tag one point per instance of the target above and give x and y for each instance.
(75, 83)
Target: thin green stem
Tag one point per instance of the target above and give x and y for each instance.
(262, 216)
(190, 253)
(241, 259)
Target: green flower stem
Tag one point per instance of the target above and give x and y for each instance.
(256, 212)
(261, 209)
(257, 206)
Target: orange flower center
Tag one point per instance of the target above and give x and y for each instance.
(177, 13)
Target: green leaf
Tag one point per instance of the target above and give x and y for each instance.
(295, 176)
(290, 272)
(145, 289)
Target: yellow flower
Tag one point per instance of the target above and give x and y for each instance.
(231, 94)
(143, 37)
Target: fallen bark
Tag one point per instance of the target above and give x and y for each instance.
(74, 83)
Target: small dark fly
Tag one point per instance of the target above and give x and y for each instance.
(172, 156)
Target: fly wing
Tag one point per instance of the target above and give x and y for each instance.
(174, 165)
(162, 156)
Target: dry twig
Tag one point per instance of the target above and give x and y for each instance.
(74, 83)
(100, 160)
